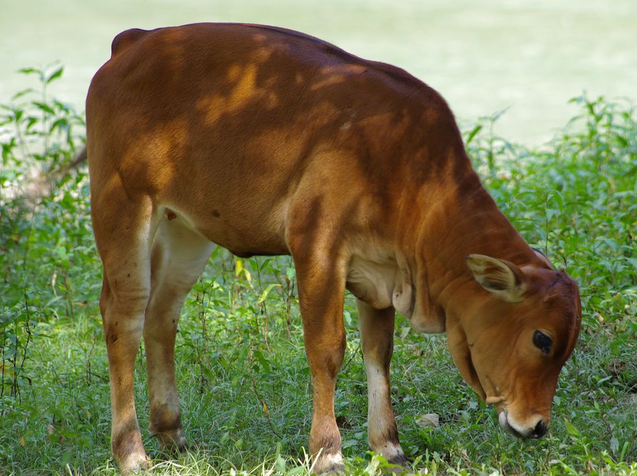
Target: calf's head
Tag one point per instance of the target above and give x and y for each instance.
(516, 328)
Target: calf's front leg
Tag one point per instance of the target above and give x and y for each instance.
(321, 295)
(377, 339)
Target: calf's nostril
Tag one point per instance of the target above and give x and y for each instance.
(540, 430)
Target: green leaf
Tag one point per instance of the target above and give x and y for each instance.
(473, 133)
(614, 445)
(22, 93)
(280, 464)
(262, 360)
(297, 470)
(622, 141)
(348, 443)
(30, 71)
(265, 293)
(570, 429)
(44, 107)
(32, 121)
(55, 75)
(61, 123)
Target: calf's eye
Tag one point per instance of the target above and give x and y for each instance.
(542, 341)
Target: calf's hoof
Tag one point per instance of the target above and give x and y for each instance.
(128, 449)
(329, 463)
(398, 464)
(133, 463)
(171, 440)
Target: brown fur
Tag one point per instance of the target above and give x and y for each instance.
(267, 141)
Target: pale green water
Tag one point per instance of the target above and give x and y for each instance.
(482, 55)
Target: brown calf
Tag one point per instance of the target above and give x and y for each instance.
(267, 142)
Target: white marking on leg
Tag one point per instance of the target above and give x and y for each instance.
(377, 390)
(326, 462)
(380, 415)
(390, 451)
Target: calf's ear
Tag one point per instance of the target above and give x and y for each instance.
(545, 259)
(497, 276)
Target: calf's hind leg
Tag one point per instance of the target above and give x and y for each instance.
(124, 227)
(178, 258)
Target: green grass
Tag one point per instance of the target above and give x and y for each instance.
(242, 372)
